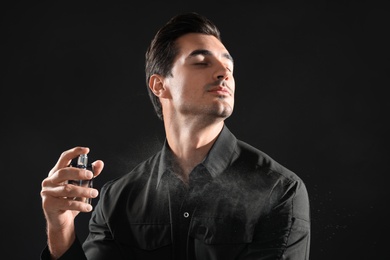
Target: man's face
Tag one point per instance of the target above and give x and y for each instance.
(202, 82)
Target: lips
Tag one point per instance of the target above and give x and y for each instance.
(220, 90)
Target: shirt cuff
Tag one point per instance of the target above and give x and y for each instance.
(75, 252)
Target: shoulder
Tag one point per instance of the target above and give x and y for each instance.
(137, 177)
(128, 189)
(260, 161)
(281, 183)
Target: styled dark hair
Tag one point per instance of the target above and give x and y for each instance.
(163, 49)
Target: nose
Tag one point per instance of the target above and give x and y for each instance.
(221, 77)
(222, 72)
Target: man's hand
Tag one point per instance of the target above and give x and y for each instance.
(58, 205)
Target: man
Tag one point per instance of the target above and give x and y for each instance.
(205, 195)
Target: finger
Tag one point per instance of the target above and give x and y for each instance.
(67, 156)
(62, 176)
(63, 204)
(69, 191)
(74, 191)
(97, 167)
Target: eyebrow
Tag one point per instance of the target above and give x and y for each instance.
(209, 53)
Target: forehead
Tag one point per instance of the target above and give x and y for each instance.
(196, 41)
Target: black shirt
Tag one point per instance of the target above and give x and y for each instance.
(239, 204)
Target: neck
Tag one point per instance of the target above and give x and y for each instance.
(190, 143)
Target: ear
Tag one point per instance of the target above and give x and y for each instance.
(156, 85)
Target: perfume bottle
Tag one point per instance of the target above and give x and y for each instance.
(82, 162)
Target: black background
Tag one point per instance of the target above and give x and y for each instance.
(311, 79)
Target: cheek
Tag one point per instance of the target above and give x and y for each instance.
(191, 86)
(188, 91)
(181, 91)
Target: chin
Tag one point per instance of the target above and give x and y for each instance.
(224, 112)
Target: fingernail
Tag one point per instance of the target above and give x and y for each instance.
(88, 207)
(88, 175)
(94, 193)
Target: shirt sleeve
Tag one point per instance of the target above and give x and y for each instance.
(75, 252)
(100, 243)
(285, 233)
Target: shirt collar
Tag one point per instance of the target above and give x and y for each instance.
(216, 161)
(165, 163)
(220, 154)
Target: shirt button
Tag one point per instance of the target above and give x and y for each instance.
(186, 214)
